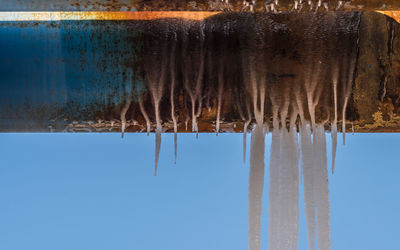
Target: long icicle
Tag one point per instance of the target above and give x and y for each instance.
(172, 98)
(322, 190)
(313, 93)
(346, 93)
(156, 89)
(245, 132)
(334, 124)
(220, 92)
(257, 167)
(284, 180)
(302, 124)
(307, 168)
(274, 193)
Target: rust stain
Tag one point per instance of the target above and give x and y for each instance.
(121, 15)
(103, 15)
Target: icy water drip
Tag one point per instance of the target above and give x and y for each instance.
(256, 186)
(316, 190)
(257, 151)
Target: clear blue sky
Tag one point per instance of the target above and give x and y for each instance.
(96, 191)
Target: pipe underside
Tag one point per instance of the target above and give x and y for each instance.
(79, 75)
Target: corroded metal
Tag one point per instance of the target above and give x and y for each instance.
(183, 5)
(39, 16)
(78, 75)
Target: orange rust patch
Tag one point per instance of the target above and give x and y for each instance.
(102, 15)
(393, 14)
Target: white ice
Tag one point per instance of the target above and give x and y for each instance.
(257, 151)
(284, 185)
(334, 124)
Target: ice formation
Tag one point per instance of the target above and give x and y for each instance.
(284, 186)
(257, 151)
(334, 123)
(219, 94)
(156, 87)
(295, 93)
(144, 113)
(246, 124)
(193, 82)
(172, 100)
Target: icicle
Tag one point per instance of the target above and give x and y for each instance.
(172, 95)
(309, 196)
(302, 124)
(246, 124)
(245, 127)
(344, 123)
(334, 144)
(346, 93)
(197, 114)
(322, 191)
(316, 192)
(186, 123)
(334, 124)
(257, 151)
(256, 185)
(313, 93)
(156, 89)
(284, 181)
(123, 118)
(146, 117)
(193, 98)
(158, 147)
(158, 137)
(274, 191)
(220, 92)
(175, 146)
(265, 129)
(195, 94)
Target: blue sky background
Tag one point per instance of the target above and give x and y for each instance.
(96, 191)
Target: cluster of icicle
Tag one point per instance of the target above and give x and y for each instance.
(298, 150)
(298, 153)
(161, 75)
